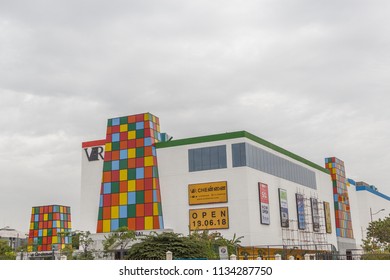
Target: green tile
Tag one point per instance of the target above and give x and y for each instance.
(139, 197)
(107, 166)
(123, 120)
(139, 152)
(131, 126)
(115, 146)
(123, 164)
(115, 187)
(139, 134)
(131, 174)
(131, 210)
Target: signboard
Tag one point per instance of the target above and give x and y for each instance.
(283, 208)
(315, 214)
(223, 253)
(328, 221)
(300, 210)
(215, 192)
(209, 218)
(264, 204)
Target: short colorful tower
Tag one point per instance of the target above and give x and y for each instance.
(50, 228)
(130, 190)
(341, 198)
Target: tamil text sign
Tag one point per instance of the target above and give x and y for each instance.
(205, 193)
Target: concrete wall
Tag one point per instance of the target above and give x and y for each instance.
(91, 177)
(243, 196)
(363, 201)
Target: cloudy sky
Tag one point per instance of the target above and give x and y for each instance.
(310, 76)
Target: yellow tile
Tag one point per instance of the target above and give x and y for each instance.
(131, 186)
(131, 153)
(146, 117)
(123, 175)
(148, 222)
(154, 183)
(131, 134)
(115, 212)
(123, 199)
(29, 248)
(61, 209)
(108, 147)
(45, 217)
(155, 209)
(123, 127)
(69, 224)
(106, 225)
(148, 161)
(54, 240)
(44, 232)
(31, 225)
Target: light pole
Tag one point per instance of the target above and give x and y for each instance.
(372, 214)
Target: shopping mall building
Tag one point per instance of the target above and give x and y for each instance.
(235, 183)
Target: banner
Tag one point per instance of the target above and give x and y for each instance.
(300, 211)
(315, 214)
(207, 193)
(328, 221)
(209, 218)
(264, 204)
(283, 208)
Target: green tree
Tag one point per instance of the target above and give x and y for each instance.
(214, 240)
(119, 240)
(84, 242)
(6, 252)
(378, 237)
(155, 246)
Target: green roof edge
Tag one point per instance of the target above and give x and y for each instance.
(238, 134)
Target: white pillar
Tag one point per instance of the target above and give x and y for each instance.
(258, 258)
(278, 257)
(233, 257)
(169, 255)
(291, 258)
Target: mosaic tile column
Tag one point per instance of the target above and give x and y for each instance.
(130, 191)
(48, 228)
(340, 195)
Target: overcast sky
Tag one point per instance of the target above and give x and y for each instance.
(309, 76)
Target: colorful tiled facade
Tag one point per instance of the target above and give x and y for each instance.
(341, 199)
(49, 228)
(130, 190)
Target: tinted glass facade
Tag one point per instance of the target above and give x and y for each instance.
(245, 154)
(207, 158)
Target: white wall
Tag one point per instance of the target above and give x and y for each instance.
(360, 208)
(243, 197)
(91, 177)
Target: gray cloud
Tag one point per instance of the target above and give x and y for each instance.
(310, 76)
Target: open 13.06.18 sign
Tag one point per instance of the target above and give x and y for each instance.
(209, 218)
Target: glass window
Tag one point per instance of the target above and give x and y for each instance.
(245, 154)
(207, 158)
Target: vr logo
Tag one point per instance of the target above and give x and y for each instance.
(94, 154)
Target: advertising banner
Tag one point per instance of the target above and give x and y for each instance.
(284, 222)
(209, 218)
(204, 193)
(328, 221)
(315, 214)
(300, 211)
(264, 204)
